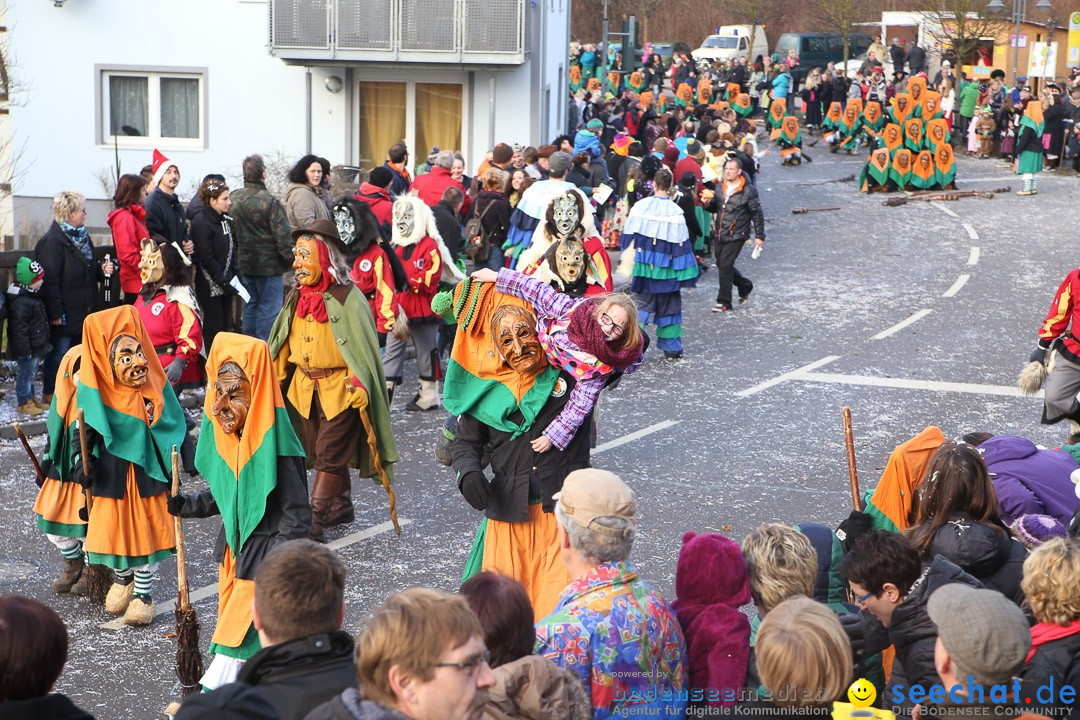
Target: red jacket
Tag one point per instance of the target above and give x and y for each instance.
(431, 186)
(176, 332)
(1064, 314)
(687, 164)
(128, 230)
(371, 273)
(378, 199)
(423, 266)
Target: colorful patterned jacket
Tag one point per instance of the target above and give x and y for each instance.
(624, 642)
(1064, 318)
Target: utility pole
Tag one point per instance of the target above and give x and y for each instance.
(604, 84)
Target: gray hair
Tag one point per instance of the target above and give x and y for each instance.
(595, 547)
(445, 159)
(65, 203)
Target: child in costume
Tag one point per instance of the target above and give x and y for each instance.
(254, 464)
(790, 141)
(371, 269)
(60, 499)
(589, 338)
(28, 331)
(169, 311)
(133, 421)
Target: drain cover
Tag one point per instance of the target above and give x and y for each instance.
(16, 569)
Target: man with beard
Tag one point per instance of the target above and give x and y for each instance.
(164, 213)
(326, 354)
(132, 423)
(253, 462)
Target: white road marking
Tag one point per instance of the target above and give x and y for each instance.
(944, 209)
(960, 282)
(909, 384)
(971, 231)
(902, 324)
(787, 376)
(631, 437)
(973, 258)
(167, 608)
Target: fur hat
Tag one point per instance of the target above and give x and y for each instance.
(1034, 530)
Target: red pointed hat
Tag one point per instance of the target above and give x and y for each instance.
(161, 164)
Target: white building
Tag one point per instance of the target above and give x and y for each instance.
(210, 81)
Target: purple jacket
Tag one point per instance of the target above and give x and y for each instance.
(1029, 480)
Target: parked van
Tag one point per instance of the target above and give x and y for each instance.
(732, 41)
(819, 49)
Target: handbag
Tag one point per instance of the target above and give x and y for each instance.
(477, 246)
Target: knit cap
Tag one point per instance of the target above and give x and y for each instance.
(381, 177)
(1034, 530)
(595, 124)
(27, 271)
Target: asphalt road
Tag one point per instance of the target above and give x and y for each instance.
(745, 429)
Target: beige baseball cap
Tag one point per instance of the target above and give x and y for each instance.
(591, 493)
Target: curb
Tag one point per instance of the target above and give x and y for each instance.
(33, 427)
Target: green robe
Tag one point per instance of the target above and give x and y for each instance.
(1030, 161)
(354, 333)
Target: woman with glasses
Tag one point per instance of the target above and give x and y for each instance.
(593, 339)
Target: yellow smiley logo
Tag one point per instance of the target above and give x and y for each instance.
(862, 693)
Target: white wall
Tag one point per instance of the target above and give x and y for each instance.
(256, 103)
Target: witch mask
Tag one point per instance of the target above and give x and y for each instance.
(513, 329)
(306, 260)
(128, 361)
(151, 266)
(404, 219)
(566, 213)
(232, 398)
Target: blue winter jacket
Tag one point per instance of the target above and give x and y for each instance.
(781, 84)
(1029, 480)
(585, 141)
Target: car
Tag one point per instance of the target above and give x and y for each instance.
(819, 49)
(731, 41)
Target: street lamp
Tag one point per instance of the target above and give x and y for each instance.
(1018, 13)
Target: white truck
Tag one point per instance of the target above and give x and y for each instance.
(732, 41)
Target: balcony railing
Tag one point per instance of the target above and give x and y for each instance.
(488, 32)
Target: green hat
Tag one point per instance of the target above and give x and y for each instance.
(595, 124)
(27, 271)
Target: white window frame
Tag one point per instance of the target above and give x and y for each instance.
(153, 75)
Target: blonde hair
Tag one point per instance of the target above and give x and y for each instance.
(1051, 576)
(781, 564)
(65, 203)
(802, 648)
(631, 336)
(412, 630)
(494, 180)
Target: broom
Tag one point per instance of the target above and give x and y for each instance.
(98, 577)
(189, 663)
(853, 473)
(1034, 374)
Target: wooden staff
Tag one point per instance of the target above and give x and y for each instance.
(85, 457)
(189, 665)
(30, 453)
(853, 473)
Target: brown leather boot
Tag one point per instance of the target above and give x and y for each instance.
(73, 570)
(341, 507)
(323, 493)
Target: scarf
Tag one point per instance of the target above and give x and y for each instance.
(585, 332)
(1045, 632)
(138, 211)
(80, 238)
(311, 300)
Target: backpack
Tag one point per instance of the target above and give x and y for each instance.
(477, 246)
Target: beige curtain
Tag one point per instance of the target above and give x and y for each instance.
(382, 120)
(438, 118)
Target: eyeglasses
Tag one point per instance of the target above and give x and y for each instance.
(607, 322)
(859, 600)
(472, 665)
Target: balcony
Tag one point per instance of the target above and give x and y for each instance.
(473, 32)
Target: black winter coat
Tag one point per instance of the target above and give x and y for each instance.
(739, 215)
(287, 517)
(165, 216)
(1057, 661)
(916, 59)
(28, 325)
(911, 631)
(298, 675)
(215, 251)
(53, 707)
(496, 221)
(70, 289)
(349, 705)
(449, 228)
(993, 558)
(521, 474)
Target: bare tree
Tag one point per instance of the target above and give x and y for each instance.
(839, 16)
(958, 24)
(644, 10)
